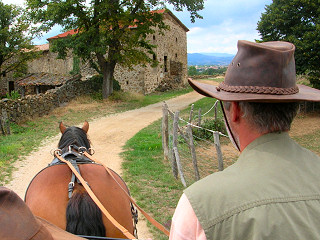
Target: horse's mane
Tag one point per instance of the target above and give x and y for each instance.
(83, 215)
(74, 136)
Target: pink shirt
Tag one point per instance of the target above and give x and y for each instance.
(185, 224)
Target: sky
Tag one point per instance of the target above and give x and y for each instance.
(223, 24)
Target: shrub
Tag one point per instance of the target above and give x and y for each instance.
(211, 124)
(13, 95)
(98, 79)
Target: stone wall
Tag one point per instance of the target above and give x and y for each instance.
(48, 63)
(171, 55)
(30, 106)
(171, 50)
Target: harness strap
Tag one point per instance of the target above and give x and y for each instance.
(152, 220)
(73, 178)
(95, 199)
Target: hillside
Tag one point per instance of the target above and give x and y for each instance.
(222, 59)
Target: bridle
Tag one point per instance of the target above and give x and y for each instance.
(83, 153)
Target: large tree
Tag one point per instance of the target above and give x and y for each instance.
(109, 32)
(15, 40)
(296, 21)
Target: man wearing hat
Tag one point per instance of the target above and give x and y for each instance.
(273, 190)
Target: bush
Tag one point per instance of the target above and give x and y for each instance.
(13, 95)
(116, 85)
(97, 80)
(314, 78)
(211, 124)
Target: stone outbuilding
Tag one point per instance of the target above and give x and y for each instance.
(41, 82)
(171, 53)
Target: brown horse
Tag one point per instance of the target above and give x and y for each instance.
(56, 197)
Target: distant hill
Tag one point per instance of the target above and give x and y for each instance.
(222, 59)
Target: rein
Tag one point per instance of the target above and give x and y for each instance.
(57, 154)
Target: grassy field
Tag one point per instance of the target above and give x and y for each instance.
(27, 136)
(148, 175)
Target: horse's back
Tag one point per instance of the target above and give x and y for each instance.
(47, 195)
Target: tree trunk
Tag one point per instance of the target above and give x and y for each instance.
(107, 85)
(107, 68)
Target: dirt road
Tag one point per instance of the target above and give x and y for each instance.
(108, 136)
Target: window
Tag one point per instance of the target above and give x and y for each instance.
(165, 63)
(11, 86)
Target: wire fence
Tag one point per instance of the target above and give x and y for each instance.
(193, 150)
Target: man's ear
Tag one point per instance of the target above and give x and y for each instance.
(235, 112)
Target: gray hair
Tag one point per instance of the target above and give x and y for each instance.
(268, 117)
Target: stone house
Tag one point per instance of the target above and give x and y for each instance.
(171, 53)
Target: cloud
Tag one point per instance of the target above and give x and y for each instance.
(20, 3)
(221, 38)
(223, 24)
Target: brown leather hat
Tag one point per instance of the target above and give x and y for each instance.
(260, 72)
(18, 222)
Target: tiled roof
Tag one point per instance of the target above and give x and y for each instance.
(71, 32)
(37, 79)
(161, 11)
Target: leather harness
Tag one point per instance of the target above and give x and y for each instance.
(72, 159)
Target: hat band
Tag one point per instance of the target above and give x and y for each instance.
(258, 89)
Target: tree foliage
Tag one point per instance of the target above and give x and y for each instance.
(192, 71)
(205, 70)
(110, 32)
(296, 21)
(15, 40)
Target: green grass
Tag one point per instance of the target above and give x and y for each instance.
(149, 176)
(27, 136)
(310, 141)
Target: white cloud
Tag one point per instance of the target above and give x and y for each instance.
(220, 38)
(15, 2)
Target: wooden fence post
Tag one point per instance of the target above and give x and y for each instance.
(193, 153)
(218, 148)
(165, 131)
(175, 144)
(176, 153)
(4, 122)
(199, 118)
(191, 113)
(215, 113)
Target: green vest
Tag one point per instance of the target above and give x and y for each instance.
(271, 192)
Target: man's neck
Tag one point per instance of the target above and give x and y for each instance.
(248, 134)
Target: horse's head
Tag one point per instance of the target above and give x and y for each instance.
(74, 136)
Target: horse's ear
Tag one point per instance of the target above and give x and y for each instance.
(85, 127)
(62, 127)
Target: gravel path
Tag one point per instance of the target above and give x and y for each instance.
(108, 135)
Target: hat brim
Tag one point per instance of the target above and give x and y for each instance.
(56, 232)
(305, 94)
